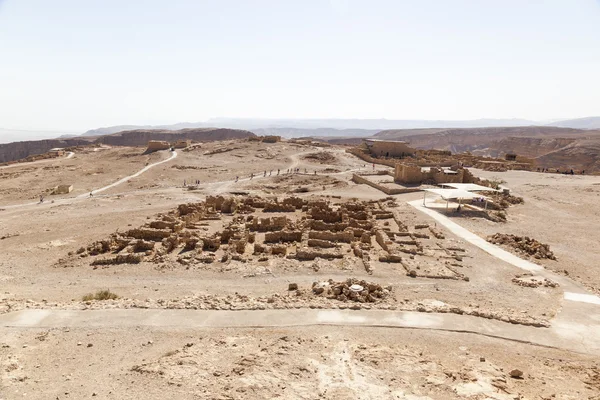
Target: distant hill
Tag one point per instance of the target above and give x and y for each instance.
(583, 154)
(579, 123)
(317, 132)
(469, 139)
(18, 150)
(550, 146)
(140, 137)
(299, 127)
(120, 128)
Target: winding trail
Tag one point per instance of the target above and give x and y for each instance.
(70, 154)
(123, 180)
(81, 196)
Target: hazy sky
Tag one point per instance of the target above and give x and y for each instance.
(81, 64)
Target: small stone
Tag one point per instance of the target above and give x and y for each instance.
(293, 286)
(79, 343)
(481, 359)
(89, 345)
(318, 290)
(516, 373)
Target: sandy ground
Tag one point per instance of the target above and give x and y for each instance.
(36, 271)
(300, 363)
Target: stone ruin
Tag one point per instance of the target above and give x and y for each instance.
(524, 245)
(224, 229)
(351, 289)
(533, 281)
(156, 145)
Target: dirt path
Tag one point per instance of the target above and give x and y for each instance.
(85, 195)
(123, 180)
(70, 154)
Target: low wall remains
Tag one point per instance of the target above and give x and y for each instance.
(389, 191)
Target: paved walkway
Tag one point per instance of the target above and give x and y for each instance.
(573, 291)
(582, 340)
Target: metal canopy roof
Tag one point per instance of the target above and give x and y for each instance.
(470, 187)
(454, 193)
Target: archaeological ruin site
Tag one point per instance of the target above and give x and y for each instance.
(220, 264)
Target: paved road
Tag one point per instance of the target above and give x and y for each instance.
(583, 340)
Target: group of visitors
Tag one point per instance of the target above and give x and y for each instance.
(558, 171)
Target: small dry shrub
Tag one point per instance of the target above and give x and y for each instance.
(100, 295)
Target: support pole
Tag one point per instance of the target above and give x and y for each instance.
(424, 194)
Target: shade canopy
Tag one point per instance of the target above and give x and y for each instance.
(448, 194)
(470, 187)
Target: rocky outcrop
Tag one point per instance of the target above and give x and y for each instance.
(19, 150)
(141, 137)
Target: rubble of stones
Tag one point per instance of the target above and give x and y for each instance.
(501, 201)
(529, 280)
(523, 244)
(324, 157)
(297, 298)
(351, 289)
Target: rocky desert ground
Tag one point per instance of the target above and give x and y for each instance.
(242, 269)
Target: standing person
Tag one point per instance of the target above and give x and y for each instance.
(373, 166)
(41, 198)
(252, 175)
(236, 178)
(92, 194)
(265, 174)
(277, 171)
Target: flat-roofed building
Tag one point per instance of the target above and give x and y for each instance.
(389, 148)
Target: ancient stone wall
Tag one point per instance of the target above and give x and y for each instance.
(267, 224)
(345, 236)
(387, 190)
(271, 139)
(283, 236)
(156, 145)
(386, 149)
(63, 189)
